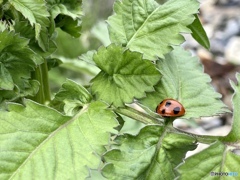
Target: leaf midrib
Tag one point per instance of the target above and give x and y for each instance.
(146, 21)
(158, 147)
(129, 42)
(46, 140)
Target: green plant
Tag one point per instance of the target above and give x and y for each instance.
(89, 132)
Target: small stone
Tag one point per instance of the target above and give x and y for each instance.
(236, 151)
(232, 51)
(220, 131)
(217, 46)
(208, 123)
(231, 29)
(227, 2)
(209, 29)
(204, 54)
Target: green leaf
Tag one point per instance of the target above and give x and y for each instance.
(32, 89)
(40, 143)
(6, 81)
(17, 61)
(88, 57)
(215, 159)
(70, 98)
(95, 175)
(3, 25)
(36, 13)
(130, 126)
(198, 33)
(150, 28)
(68, 8)
(234, 134)
(152, 154)
(71, 27)
(124, 76)
(25, 29)
(53, 62)
(183, 79)
(67, 15)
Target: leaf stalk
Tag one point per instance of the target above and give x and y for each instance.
(139, 116)
(205, 139)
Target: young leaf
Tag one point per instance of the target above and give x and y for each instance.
(67, 15)
(27, 31)
(70, 98)
(234, 134)
(183, 79)
(40, 143)
(150, 28)
(17, 61)
(152, 154)
(71, 27)
(37, 14)
(88, 57)
(124, 75)
(215, 159)
(198, 33)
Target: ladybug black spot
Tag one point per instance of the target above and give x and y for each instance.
(168, 103)
(163, 111)
(176, 110)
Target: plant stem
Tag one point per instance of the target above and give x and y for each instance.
(41, 75)
(45, 81)
(205, 139)
(39, 97)
(137, 115)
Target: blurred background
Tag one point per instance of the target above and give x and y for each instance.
(221, 21)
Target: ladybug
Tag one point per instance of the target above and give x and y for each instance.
(170, 108)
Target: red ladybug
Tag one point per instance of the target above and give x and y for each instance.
(170, 108)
